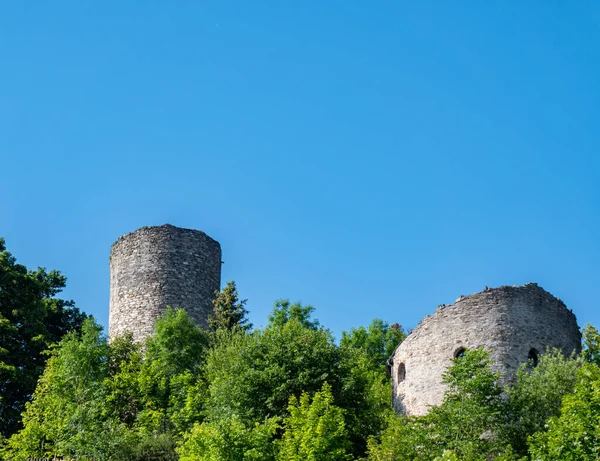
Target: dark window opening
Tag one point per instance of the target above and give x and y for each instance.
(533, 357)
(460, 352)
(401, 372)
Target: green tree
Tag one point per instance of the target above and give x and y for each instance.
(537, 395)
(124, 361)
(255, 375)
(591, 345)
(228, 310)
(173, 363)
(405, 439)
(365, 395)
(575, 434)
(66, 417)
(378, 340)
(284, 311)
(116, 401)
(314, 429)
(230, 440)
(472, 411)
(31, 319)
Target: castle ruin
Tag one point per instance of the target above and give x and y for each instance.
(155, 267)
(159, 266)
(515, 324)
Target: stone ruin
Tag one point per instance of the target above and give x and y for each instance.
(515, 324)
(155, 267)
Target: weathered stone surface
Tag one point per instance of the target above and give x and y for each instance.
(155, 267)
(507, 321)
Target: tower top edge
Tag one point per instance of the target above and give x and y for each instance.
(163, 229)
(508, 290)
(503, 291)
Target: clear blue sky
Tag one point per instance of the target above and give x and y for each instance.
(374, 159)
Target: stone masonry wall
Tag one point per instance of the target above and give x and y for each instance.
(155, 267)
(507, 321)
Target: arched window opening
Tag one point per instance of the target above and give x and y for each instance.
(401, 372)
(533, 357)
(460, 352)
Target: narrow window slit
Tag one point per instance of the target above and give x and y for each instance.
(401, 372)
(533, 357)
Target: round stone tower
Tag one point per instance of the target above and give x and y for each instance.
(155, 267)
(515, 324)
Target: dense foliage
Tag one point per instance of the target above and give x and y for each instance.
(288, 392)
(31, 319)
(284, 392)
